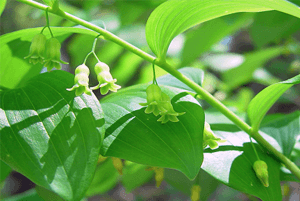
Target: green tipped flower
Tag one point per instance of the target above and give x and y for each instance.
(105, 79)
(209, 138)
(153, 99)
(167, 111)
(81, 81)
(37, 49)
(160, 103)
(261, 170)
(53, 54)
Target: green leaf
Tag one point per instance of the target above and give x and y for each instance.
(285, 130)
(232, 164)
(15, 70)
(263, 101)
(47, 194)
(195, 74)
(272, 26)
(51, 136)
(207, 183)
(175, 16)
(2, 6)
(106, 177)
(135, 175)
(135, 136)
(4, 171)
(243, 74)
(27, 195)
(208, 34)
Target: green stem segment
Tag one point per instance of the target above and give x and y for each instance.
(167, 67)
(92, 51)
(48, 23)
(254, 149)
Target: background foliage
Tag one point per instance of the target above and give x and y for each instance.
(233, 57)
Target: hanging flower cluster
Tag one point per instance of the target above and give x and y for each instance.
(159, 103)
(102, 70)
(209, 138)
(45, 51)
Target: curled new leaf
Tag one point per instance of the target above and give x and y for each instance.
(159, 175)
(118, 164)
(37, 49)
(195, 193)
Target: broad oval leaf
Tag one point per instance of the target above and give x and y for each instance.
(175, 16)
(264, 100)
(51, 136)
(232, 163)
(135, 136)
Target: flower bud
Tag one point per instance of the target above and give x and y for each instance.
(261, 170)
(105, 79)
(37, 49)
(118, 164)
(81, 80)
(53, 54)
(209, 138)
(100, 67)
(195, 193)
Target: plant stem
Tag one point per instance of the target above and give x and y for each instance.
(167, 67)
(254, 149)
(48, 24)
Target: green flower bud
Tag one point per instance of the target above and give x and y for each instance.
(153, 98)
(37, 49)
(105, 79)
(81, 81)
(209, 138)
(261, 170)
(100, 67)
(167, 111)
(53, 54)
